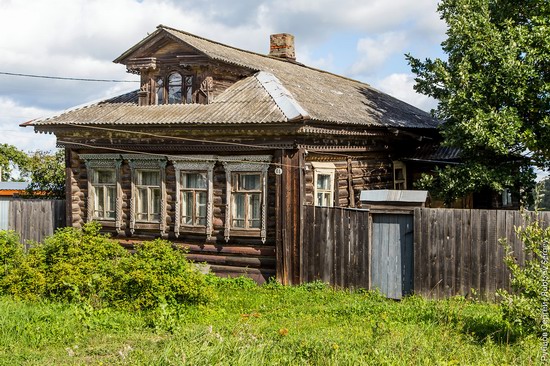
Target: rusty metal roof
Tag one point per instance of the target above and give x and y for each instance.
(279, 91)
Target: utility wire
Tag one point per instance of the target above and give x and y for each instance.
(160, 155)
(67, 78)
(267, 147)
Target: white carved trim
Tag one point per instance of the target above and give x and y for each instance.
(233, 164)
(138, 162)
(201, 163)
(98, 161)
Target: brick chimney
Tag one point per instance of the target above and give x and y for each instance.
(282, 45)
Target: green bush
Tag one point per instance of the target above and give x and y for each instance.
(523, 307)
(11, 251)
(85, 266)
(159, 274)
(81, 264)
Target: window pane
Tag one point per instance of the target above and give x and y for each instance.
(160, 91)
(238, 210)
(250, 182)
(174, 88)
(194, 180)
(254, 211)
(187, 208)
(188, 89)
(201, 208)
(155, 198)
(323, 181)
(150, 178)
(110, 202)
(105, 176)
(99, 203)
(399, 174)
(142, 204)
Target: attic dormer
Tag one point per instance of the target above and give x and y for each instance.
(174, 72)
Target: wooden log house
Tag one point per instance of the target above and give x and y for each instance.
(220, 149)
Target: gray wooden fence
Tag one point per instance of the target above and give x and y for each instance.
(453, 251)
(334, 249)
(458, 250)
(34, 220)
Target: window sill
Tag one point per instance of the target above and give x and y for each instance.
(245, 232)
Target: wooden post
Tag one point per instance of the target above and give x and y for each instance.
(289, 205)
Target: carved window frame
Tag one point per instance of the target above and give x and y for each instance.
(322, 168)
(147, 162)
(162, 85)
(399, 181)
(96, 162)
(250, 164)
(202, 163)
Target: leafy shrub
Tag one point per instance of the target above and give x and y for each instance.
(157, 273)
(81, 264)
(85, 266)
(11, 251)
(523, 308)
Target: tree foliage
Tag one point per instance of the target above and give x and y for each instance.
(493, 91)
(10, 159)
(44, 170)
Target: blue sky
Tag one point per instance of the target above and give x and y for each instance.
(361, 39)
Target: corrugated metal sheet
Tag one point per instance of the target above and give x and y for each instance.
(390, 195)
(4, 214)
(326, 97)
(435, 152)
(13, 186)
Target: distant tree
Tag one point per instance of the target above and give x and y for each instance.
(11, 159)
(46, 172)
(493, 93)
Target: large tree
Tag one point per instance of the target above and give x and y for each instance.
(493, 92)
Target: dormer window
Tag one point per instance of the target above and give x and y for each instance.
(175, 88)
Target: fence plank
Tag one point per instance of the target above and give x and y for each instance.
(34, 220)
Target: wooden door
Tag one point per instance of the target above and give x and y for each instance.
(392, 254)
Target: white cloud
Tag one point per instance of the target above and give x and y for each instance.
(25, 139)
(374, 52)
(80, 38)
(401, 86)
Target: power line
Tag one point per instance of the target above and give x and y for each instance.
(169, 155)
(267, 147)
(67, 78)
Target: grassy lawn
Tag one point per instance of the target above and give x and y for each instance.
(269, 325)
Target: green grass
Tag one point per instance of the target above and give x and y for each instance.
(269, 325)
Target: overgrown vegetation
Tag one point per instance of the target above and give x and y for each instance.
(265, 325)
(79, 298)
(85, 266)
(522, 309)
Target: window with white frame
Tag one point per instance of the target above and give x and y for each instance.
(148, 191)
(193, 193)
(194, 179)
(148, 197)
(399, 175)
(104, 191)
(247, 200)
(247, 195)
(323, 183)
